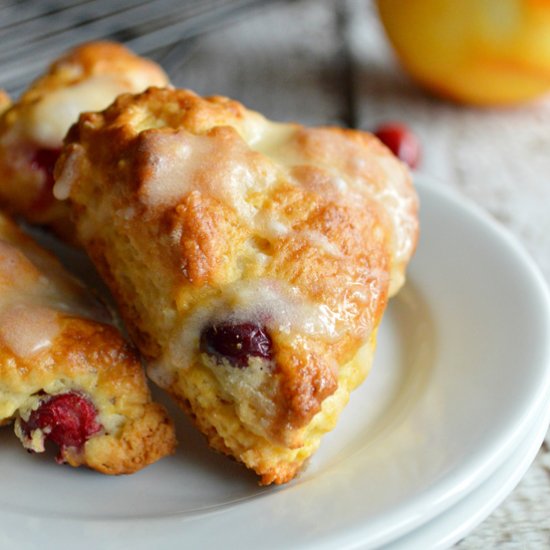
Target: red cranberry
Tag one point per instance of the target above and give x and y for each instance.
(67, 419)
(400, 140)
(237, 342)
(44, 160)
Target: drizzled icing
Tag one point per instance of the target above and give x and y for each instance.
(230, 162)
(321, 242)
(218, 164)
(63, 185)
(27, 329)
(34, 290)
(263, 302)
(15, 268)
(274, 304)
(48, 122)
(327, 163)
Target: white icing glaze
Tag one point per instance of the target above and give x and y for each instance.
(160, 372)
(220, 165)
(15, 268)
(274, 228)
(270, 303)
(276, 305)
(51, 117)
(223, 166)
(321, 241)
(27, 329)
(270, 138)
(276, 141)
(138, 80)
(340, 184)
(399, 205)
(71, 167)
(31, 277)
(216, 164)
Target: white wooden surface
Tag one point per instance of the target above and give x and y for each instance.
(322, 62)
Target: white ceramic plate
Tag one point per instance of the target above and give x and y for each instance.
(453, 524)
(462, 368)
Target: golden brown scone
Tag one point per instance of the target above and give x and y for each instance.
(66, 375)
(251, 260)
(87, 78)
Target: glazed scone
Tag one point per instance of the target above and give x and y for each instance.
(66, 374)
(87, 78)
(251, 260)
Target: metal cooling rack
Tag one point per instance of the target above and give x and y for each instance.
(34, 32)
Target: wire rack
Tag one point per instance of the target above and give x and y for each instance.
(34, 32)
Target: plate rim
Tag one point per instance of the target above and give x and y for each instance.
(508, 475)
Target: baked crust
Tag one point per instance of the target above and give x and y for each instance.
(5, 101)
(198, 211)
(88, 77)
(55, 339)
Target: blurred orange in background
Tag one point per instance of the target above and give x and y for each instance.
(484, 52)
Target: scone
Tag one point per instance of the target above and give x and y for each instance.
(87, 78)
(251, 260)
(66, 375)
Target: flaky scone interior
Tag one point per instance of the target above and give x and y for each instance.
(66, 374)
(251, 260)
(87, 78)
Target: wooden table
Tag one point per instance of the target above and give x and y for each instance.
(327, 62)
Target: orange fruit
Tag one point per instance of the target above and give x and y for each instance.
(484, 52)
